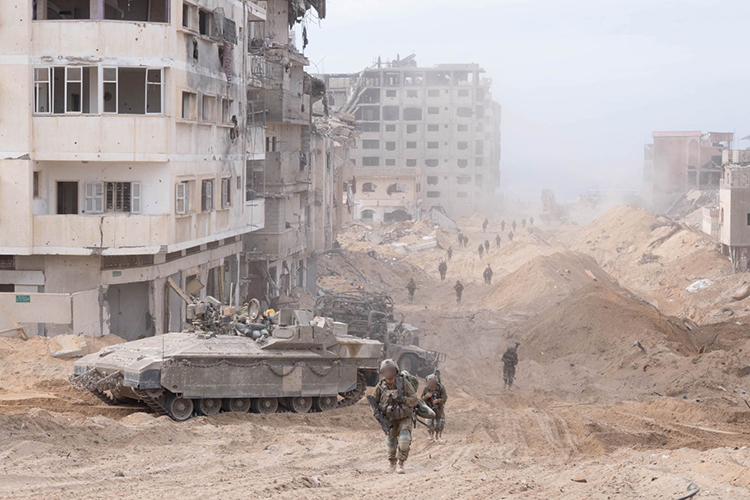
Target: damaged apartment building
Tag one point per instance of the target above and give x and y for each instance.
(124, 141)
(734, 208)
(430, 137)
(681, 161)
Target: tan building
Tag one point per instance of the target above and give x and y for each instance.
(387, 195)
(439, 123)
(123, 146)
(734, 208)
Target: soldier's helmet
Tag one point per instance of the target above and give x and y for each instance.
(431, 376)
(388, 363)
(517, 343)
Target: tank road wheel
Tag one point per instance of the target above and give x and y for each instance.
(209, 406)
(409, 363)
(325, 403)
(265, 405)
(299, 404)
(237, 405)
(179, 409)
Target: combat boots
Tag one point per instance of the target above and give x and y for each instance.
(400, 467)
(431, 435)
(393, 462)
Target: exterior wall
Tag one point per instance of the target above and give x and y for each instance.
(734, 207)
(379, 202)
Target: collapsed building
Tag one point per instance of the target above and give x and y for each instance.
(678, 162)
(151, 146)
(429, 138)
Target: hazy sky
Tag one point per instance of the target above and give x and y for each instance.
(582, 82)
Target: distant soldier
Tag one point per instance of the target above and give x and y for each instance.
(531, 221)
(502, 225)
(481, 250)
(485, 224)
(450, 253)
(497, 240)
(435, 396)
(487, 274)
(513, 225)
(510, 360)
(510, 236)
(442, 269)
(460, 240)
(466, 241)
(459, 288)
(487, 246)
(523, 222)
(396, 400)
(411, 287)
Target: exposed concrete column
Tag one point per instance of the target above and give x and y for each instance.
(157, 297)
(96, 8)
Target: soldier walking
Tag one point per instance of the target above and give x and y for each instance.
(510, 360)
(460, 240)
(497, 240)
(487, 246)
(513, 225)
(510, 236)
(435, 396)
(502, 225)
(450, 253)
(459, 288)
(481, 251)
(485, 224)
(531, 221)
(487, 274)
(442, 269)
(411, 287)
(396, 400)
(466, 241)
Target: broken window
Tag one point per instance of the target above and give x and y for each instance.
(205, 22)
(432, 180)
(433, 145)
(390, 113)
(413, 78)
(208, 111)
(463, 163)
(372, 79)
(433, 111)
(463, 77)
(390, 146)
(390, 93)
(226, 192)
(227, 110)
(411, 145)
(390, 162)
(433, 194)
(188, 105)
(207, 195)
(398, 187)
(412, 114)
(412, 162)
(154, 11)
(432, 162)
(188, 16)
(438, 78)
(368, 215)
(388, 128)
(411, 129)
(463, 179)
(42, 90)
(392, 79)
(368, 187)
(371, 127)
(368, 113)
(371, 161)
(37, 184)
(433, 127)
(462, 145)
(464, 112)
(413, 94)
(371, 96)
(370, 144)
(182, 198)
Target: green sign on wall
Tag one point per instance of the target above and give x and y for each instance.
(23, 298)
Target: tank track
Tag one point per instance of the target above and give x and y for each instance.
(96, 384)
(151, 398)
(351, 397)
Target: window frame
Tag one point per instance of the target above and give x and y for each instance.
(37, 82)
(226, 194)
(182, 195)
(207, 195)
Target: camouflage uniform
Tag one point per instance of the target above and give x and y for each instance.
(510, 360)
(400, 415)
(436, 400)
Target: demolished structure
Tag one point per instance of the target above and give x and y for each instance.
(429, 138)
(156, 140)
(734, 208)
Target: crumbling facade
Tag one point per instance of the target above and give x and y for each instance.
(734, 208)
(124, 141)
(678, 162)
(430, 137)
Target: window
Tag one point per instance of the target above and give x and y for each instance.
(73, 89)
(93, 197)
(371, 161)
(205, 22)
(411, 145)
(188, 105)
(463, 145)
(207, 195)
(187, 16)
(411, 129)
(153, 91)
(390, 162)
(463, 179)
(208, 112)
(432, 180)
(390, 146)
(37, 185)
(368, 187)
(42, 90)
(464, 112)
(433, 93)
(748, 219)
(372, 127)
(412, 114)
(411, 94)
(390, 113)
(370, 144)
(388, 128)
(433, 145)
(433, 127)
(433, 194)
(271, 144)
(109, 85)
(182, 198)
(433, 111)
(463, 163)
(390, 93)
(398, 187)
(368, 215)
(226, 192)
(432, 162)
(227, 110)
(411, 163)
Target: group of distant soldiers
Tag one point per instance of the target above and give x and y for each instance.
(398, 408)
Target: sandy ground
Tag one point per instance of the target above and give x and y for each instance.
(591, 416)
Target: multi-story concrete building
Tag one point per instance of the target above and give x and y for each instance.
(123, 149)
(734, 208)
(430, 136)
(678, 162)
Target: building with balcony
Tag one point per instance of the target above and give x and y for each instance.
(126, 132)
(681, 161)
(433, 132)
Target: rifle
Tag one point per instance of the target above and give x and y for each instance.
(384, 423)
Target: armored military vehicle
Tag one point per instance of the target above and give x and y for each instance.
(288, 361)
(370, 316)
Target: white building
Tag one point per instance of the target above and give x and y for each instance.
(123, 149)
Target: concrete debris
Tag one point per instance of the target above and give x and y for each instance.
(445, 223)
(67, 346)
(699, 285)
(742, 292)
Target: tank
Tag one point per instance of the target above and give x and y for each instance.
(289, 361)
